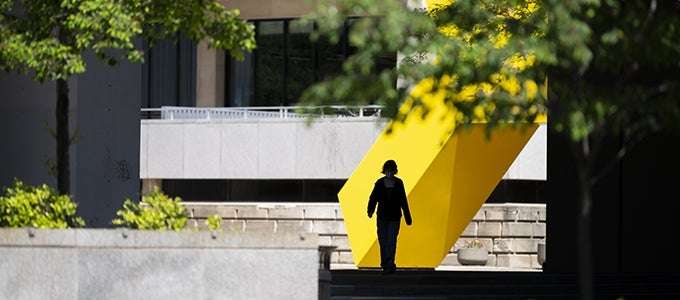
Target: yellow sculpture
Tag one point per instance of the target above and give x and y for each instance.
(447, 175)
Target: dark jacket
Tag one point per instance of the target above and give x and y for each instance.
(390, 203)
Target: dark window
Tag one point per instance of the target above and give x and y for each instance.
(269, 64)
(518, 191)
(169, 73)
(317, 190)
(286, 62)
(300, 61)
(237, 190)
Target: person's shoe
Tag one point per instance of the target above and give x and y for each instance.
(393, 268)
(386, 271)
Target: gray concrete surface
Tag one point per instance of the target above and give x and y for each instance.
(133, 264)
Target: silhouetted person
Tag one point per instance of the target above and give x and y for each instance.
(390, 196)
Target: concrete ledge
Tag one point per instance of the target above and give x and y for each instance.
(137, 264)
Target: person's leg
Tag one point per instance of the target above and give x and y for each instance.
(391, 244)
(382, 239)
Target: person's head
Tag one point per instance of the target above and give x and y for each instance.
(390, 168)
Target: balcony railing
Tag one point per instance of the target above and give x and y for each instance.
(260, 112)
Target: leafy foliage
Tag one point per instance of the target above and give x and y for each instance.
(157, 212)
(628, 84)
(214, 222)
(50, 37)
(613, 66)
(477, 55)
(40, 207)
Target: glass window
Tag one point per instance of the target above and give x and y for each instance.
(300, 61)
(269, 63)
(169, 73)
(286, 62)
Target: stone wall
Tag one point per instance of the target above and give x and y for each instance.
(510, 231)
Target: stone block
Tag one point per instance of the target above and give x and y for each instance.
(335, 257)
(490, 212)
(525, 212)
(226, 212)
(539, 230)
(517, 229)
(321, 212)
(325, 240)
(296, 226)
(283, 211)
(329, 227)
(250, 212)
(341, 242)
(526, 245)
(345, 257)
(489, 229)
(233, 225)
(260, 225)
(503, 245)
(196, 210)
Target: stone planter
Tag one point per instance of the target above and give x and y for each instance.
(541, 253)
(473, 256)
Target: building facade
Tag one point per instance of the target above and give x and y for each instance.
(206, 160)
(116, 156)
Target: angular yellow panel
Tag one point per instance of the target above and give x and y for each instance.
(447, 178)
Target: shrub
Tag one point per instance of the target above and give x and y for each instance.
(214, 222)
(40, 207)
(157, 212)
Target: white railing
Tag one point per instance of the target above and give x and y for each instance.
(259, 112)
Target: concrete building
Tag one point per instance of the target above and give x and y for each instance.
(220, 152)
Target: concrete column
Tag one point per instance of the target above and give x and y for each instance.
(210, 76)
(148, 185)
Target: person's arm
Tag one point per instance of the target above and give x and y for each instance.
(404, 205)
(372, 201)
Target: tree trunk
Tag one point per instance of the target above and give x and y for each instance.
(583, 156)
(63, 143)
(584, 237)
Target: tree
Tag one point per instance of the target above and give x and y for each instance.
(48, 38)
(614, 70)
